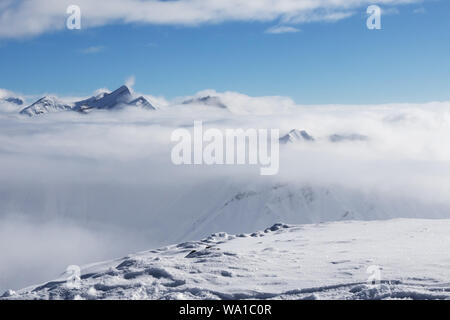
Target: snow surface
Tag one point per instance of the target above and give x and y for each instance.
(238, 209)
(142, 103)
(44, 105)
(322, 261)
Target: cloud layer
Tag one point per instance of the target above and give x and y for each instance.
(23, 18)
(89, 182)
(282, 29)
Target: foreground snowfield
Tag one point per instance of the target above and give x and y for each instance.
(321, 261)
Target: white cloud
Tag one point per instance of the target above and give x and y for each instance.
(9, 106)
(282, 29)
(85, 176)
(390, 11)
(24, 18)
(420, 10)
(6, 93)
(130, 81)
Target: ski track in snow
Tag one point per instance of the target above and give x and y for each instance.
(322, 261)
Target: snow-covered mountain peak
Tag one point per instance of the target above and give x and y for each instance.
(296, 135)
(103, 100)
(142, 102)
(348, 137)
(106, 100)
(45, 105)
(208, 100)
(100, 95)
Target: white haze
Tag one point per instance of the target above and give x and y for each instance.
(80, 188)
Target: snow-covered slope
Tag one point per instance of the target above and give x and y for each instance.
(107, 101)
(326, 261)
(211, 101)
(142, 103)
(296, 136)
(44, 105)
(258, 206)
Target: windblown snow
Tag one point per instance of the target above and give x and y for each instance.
(322, 261)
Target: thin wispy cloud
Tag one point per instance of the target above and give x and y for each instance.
(130, 81)
(23, 18)
(390, 11)
(419, 11)
(281, 29)
(93, 50)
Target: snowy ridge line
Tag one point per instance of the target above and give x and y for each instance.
(281, 262)
(121, 97)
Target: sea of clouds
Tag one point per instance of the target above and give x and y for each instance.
(77, 188)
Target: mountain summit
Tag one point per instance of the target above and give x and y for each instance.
(295, 136)
(210, 101)
(44, 105)
(121, 97)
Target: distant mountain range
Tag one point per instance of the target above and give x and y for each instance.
(119, 98)
(296, 136)
(123, 97)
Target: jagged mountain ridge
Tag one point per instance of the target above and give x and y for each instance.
(211, 101)
(121, 97)
(347, 137)
(45, 105)
(259, 206)
(296, 135)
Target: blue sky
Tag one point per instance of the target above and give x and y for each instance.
(340, 62)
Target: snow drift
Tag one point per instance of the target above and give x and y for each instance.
(326, 261)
